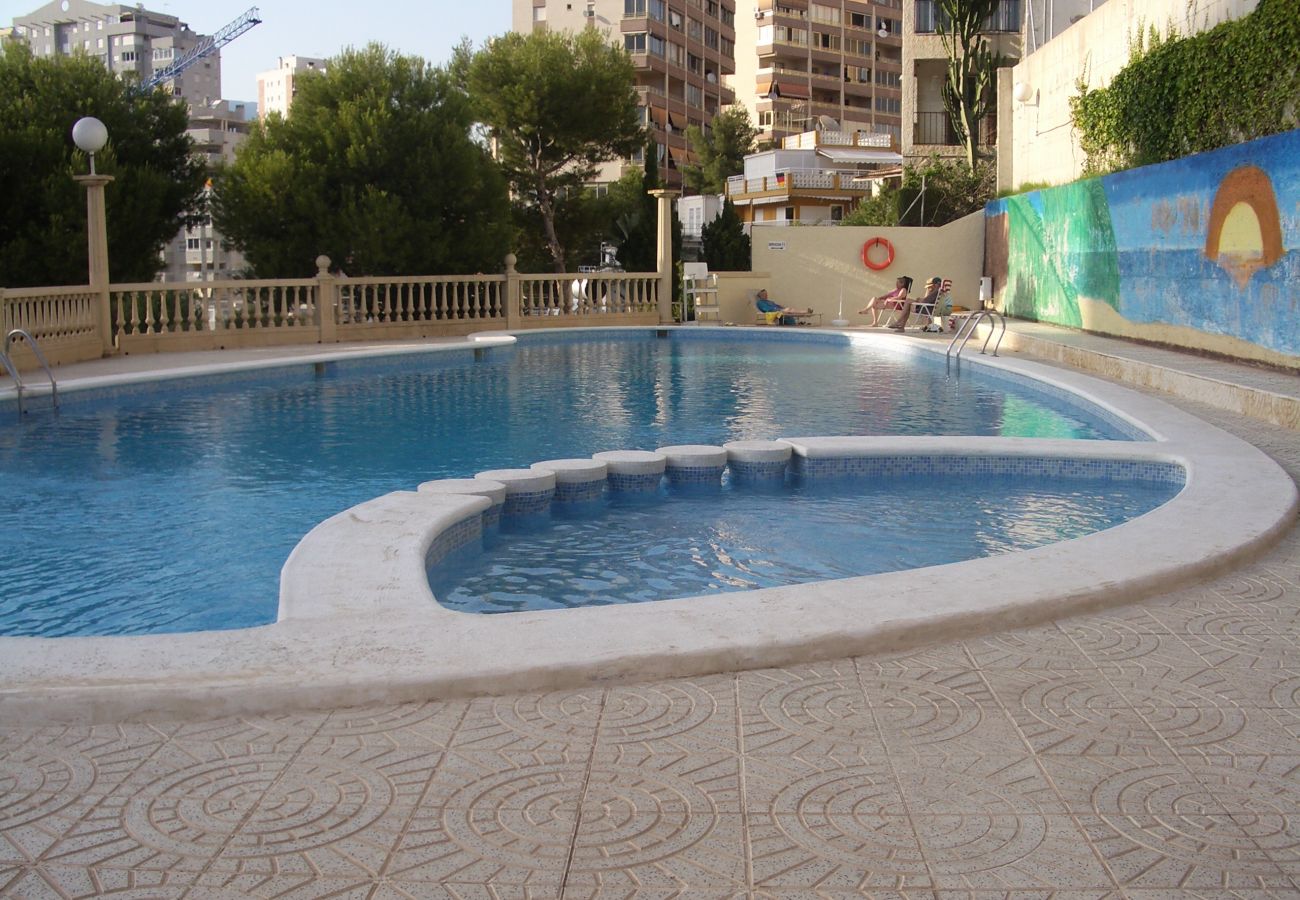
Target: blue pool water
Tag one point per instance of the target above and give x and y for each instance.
(740, 537)
(173, 509)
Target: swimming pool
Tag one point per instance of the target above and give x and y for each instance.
(696, 540)
(172, 507)
(358, 624)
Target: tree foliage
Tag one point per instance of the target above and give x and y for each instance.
(934, 192)
(721, 150)
(726, 246)
(1177, 96)
(376, 168)
(556, 105)
(157, 185)
(968, 91)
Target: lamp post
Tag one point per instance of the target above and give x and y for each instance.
(90, 136)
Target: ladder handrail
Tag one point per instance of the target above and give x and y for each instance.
(968, 328)
(13, 373)
(40, 357)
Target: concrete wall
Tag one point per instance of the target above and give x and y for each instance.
(1041, 142)
(809, 266)
(1201, 252)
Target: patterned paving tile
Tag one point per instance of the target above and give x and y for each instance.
(645, 781)
(807, 711)
(66, 882)
(840, 848)
(1209, 853)
(697, 714)
(1073, 713)
(988, 850)
(1047, 648)
(564, 720)
(670, 850)
(927, 709)
(1127, 636)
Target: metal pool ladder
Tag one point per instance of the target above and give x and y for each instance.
(8, 363)
(968, 328)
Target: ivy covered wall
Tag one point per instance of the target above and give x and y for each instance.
(1201, 252)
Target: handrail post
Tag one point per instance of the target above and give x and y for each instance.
(326, 301)
(664, 255)
(514, 306)
(97, 247)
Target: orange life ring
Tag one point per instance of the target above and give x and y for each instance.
(866, 253)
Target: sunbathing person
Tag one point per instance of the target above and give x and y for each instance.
(931, 295)
(895, 299)
(771, 306)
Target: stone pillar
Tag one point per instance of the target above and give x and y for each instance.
(513, 309)
(326, 301)
(664, 255)
(1006, 112)
(97, 254)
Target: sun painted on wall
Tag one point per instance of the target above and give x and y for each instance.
(1209, 244)
(1245, 231)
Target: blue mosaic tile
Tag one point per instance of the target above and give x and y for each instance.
(462, 533)
(492, 515)
(530, 503)
(757, 471)
(968, 467)
(695, 474)
(580, 492)
(633, 484)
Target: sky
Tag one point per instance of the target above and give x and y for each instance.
(322, 28)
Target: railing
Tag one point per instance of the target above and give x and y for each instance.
(811, 140)
(590, 293)
(935, 128)
(81, 323)
(63, 319)
(789, 180)
(387, 301)
(161, 308)
(931, 18)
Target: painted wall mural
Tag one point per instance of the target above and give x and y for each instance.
(1208, 243)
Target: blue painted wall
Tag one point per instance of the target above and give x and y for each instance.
(1137, 242)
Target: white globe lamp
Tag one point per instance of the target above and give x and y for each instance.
(90, 136)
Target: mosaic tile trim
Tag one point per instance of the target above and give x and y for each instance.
(492, 515)
(580, 491)
(964, 466)
(695, 474)
(1102, 419)
(528, 503)
(463, 532)
(634, 484)
(757, 471)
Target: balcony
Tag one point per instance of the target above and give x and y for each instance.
(792, 182)
(935, 129)
(930, 17)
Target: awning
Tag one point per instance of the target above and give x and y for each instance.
(677, 154)
(658, 115)
(854, 155)
(798, 91)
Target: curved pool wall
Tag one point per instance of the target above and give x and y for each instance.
(358, 622)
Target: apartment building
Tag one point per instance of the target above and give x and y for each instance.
(925, 69)
(129, 40)
(682, 50)
(276, 87)
(837, 64)
(197, 252)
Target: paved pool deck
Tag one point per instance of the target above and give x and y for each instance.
(1150, 751)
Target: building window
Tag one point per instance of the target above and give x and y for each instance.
(128, 56)
(539, 13)
(790, 214)
(634, 42)
(633, 9)
(657, 10)
(889, 79)
(889, 105)
(656, 45)
(710, 38)
(837, 213)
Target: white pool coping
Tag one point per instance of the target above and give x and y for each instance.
(359, 623)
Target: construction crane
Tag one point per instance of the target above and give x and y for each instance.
(203, 48)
